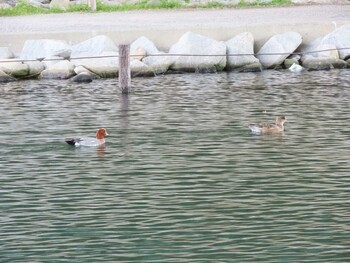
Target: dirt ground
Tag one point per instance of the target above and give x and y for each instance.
(164, 27)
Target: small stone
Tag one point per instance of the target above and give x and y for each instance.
(6, 78)
(82, 77)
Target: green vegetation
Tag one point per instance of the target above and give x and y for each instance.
(142, 4)
(273, 2)
(23, 8)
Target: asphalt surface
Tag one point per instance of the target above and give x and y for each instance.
(164, 27)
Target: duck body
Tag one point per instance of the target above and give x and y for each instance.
(268, 128)
(89, 141)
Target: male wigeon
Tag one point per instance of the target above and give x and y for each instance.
(268, 128)
(91, 142)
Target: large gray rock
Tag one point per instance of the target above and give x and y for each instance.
(83, 77)
(145, 50)
(51, 60)
(14, 68)
(238, 49)
(35, 68)
(318, 50)
(340, 38)
(4, 6)
(312, 64)
(93, 47)
(59, 3)
(140, 69)
(105, 66)
(61, 70)
(5, 53)
(81, 70)
(209, 55)
(5, 77)
(43, 48)
(38, 3)
(147, 45)
(278, 48)
(138, 53)
(98, 54)
(322, 56)
(11, 3)
(324, 63)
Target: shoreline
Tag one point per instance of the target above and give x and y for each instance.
(175, 40)
(165, 27)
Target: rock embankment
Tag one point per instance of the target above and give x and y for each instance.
(97, 57)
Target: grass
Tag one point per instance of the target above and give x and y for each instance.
(23, 8)
(273, 2)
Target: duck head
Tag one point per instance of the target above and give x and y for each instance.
(101, 133)
(280, 120)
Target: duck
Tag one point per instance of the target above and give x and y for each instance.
(268, 128)
(89, 141)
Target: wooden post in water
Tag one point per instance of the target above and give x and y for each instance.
(124, 68)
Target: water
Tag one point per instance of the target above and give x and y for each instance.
(180, 179)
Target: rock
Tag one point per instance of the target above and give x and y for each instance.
(327, 51)
(61, 70)
(145, 44)
(44, 2)
(254, 67)
(35, 68)
(313, 64)
(14, 68)
(209, 55)
(5, 53)
(105, 67)
(63, 4)
(290, 61)
(4, 6)
(278, 48)
(51, 60)
(44, 48)
(95, 46)
(138, 69)
(324, 63)
(63, 53)
(348, 62)
(83, 77)
(36, 3)
(138, 53)
(340, 64)
(317, 50)
(5, 78)
(81, 69)
(240, 45)
(340, 38)
(99, 55)
(159, 63)
(155, 59)
(9, 2)
(257, 1)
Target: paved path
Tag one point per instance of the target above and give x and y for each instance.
(164, 27)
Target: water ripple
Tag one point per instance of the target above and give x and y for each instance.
(180, 179)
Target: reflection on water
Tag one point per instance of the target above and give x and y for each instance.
(180, 178)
